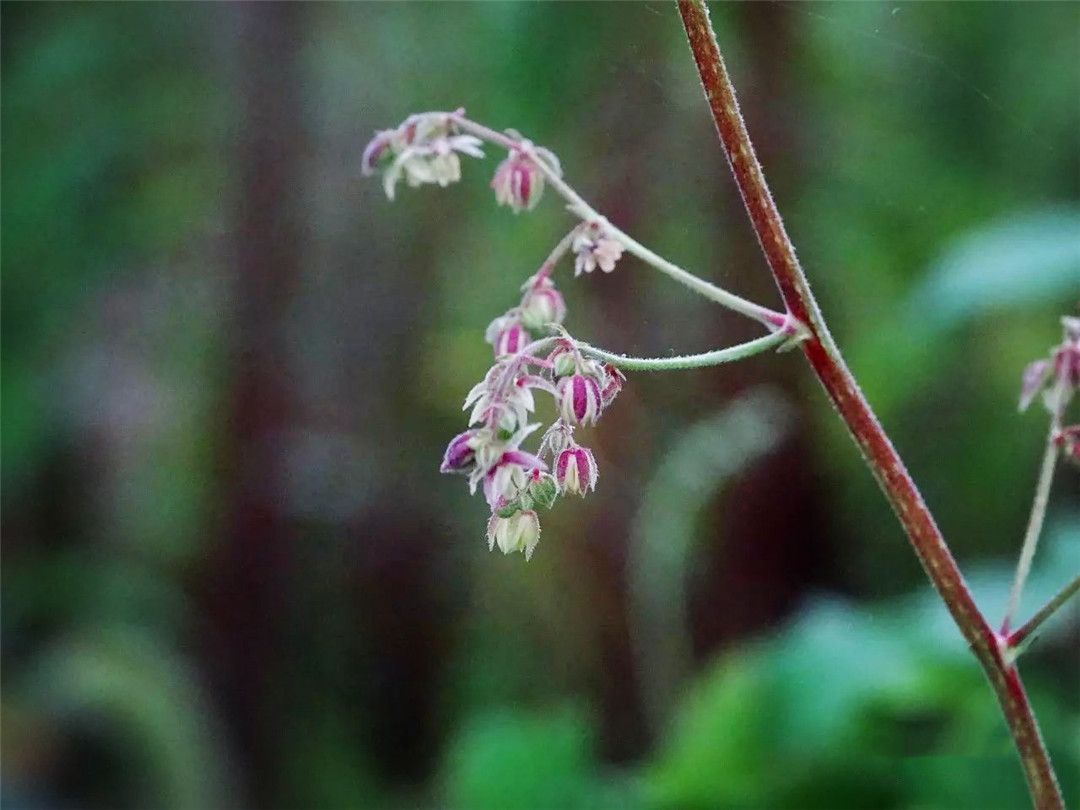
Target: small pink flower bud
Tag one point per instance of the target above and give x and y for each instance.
(519, 532)
(576, 471)
(511, 340)
(1068, 439)
(613, 383)
(579, 399)
(542, 306)
(1058, 377)
(518, 182)
(378, 152)
(460, 454)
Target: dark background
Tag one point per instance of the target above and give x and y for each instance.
(232, 573)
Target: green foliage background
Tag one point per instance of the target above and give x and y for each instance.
(733, 620)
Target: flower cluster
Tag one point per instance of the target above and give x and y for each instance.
(1057, 378)
(423, 150)
(515, 482)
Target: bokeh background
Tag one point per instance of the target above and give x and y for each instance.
(232, 575)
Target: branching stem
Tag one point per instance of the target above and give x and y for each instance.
(880, 456)
(1034, 526)
(1024, 635)
(582, 209)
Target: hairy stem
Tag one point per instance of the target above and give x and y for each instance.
(582, 209)
(880, 456)
(713, 358)
(1019, 639)
(1034, 527)
(555, 256)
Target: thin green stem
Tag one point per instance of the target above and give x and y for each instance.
(554, 257)
(1018, 641)
(581, 208)
(1034, 526)
(713, 358)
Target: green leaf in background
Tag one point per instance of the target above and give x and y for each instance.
(856, 706)
(124, 691)
(514, 760)
(700, 462)
(720, 751)
(1024, 260)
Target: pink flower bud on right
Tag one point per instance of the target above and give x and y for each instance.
(1057, 377)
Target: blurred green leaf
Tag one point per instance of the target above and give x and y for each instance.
(719, 753)
(820, 714)
(514, 760)
(1020, 261)
(131, 694)
(699, 464)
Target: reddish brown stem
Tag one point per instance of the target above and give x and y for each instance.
(880, 456)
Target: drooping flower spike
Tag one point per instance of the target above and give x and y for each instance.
(514, 481)
(582, 380)
(425, 150)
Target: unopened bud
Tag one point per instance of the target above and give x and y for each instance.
(579, 399)
(543, 489)
(613, 383)
(576, 471)
(511, 340)
(542, 306)
(518, 182)
(460, 454)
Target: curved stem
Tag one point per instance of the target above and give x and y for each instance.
(840, 386)
(713, 358)
(580, 207)
(1034, 527)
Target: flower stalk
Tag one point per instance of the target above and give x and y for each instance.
(1034, 526)
(586, 212)
(880, 456)
(1024, 635)
(713, 358)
